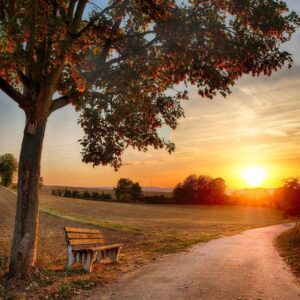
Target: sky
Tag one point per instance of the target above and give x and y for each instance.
(257, 125)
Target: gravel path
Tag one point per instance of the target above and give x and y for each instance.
(244, 266)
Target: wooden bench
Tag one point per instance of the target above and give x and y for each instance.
(85, 246)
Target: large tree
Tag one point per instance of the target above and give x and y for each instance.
(119, 62)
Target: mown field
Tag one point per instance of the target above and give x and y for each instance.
(147, 231)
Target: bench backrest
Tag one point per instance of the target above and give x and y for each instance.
(79, 237)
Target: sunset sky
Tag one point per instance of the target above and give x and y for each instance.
(257, 125)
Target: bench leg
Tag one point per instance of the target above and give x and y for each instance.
(113, 254)
(100, 256)
(71, 259)
(116, 253)
(88, 260)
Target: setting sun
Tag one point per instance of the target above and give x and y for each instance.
(254, 176)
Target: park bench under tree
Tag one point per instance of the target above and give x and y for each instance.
(85, 246)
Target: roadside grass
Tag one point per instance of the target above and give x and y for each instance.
(288, 245)
(147, 232)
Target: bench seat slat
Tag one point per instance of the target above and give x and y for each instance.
(76, 235)
(80, 230)
(97, 248)
(74, 242)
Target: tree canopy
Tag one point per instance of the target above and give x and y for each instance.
(287, 198)
(200, 190)
(121, 63)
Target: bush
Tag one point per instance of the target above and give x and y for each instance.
(86, 195)
(157, 199)
(76, 194)
(95, 196)
(105, 196)
(67, 193)
(8, 166)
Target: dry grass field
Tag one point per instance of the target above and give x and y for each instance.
(288, 245)
(147, 231)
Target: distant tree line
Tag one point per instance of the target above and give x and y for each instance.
(201, 189)
(67, 193)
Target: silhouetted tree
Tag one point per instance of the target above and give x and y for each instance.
(217, 188)
(287, 198)
(8, 166)
(127, 190)
(200, 190)
(115, 61)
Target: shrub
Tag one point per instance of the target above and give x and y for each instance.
(67, 193)
(105, 196)
(86, 195)
(76, 194)
(8, 165)
(95, 196)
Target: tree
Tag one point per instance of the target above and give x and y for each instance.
(8, 166)
(287, 198)
(127, 190)
(200, 190)
(217, 188)
(119, 65)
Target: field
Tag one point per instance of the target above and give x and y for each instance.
(147, 231)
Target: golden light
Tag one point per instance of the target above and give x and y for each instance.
(254, 176)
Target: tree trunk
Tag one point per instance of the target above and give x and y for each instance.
(24, 247)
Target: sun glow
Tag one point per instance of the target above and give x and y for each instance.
(254, 176)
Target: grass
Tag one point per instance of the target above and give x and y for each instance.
(288, 245)
(147, 232)
(90, 221)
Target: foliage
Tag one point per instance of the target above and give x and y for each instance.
(65, 291)
(77, 195)
(287, 198)
(157, 199)
(8, 165)
(67, 193)
(200, 190)
(127, 190)
(86, 195)
(117, 62)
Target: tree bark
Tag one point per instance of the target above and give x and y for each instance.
(24, 246)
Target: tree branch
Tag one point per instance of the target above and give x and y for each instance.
(13, 94)
(127, 55)
(28, 84)
(63, 101)
(78, 15)
(93, 20)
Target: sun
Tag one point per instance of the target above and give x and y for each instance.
(254, 176)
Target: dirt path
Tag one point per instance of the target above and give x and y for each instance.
(244, 266)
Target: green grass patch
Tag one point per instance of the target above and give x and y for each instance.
(288, 245)
(91, 221)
